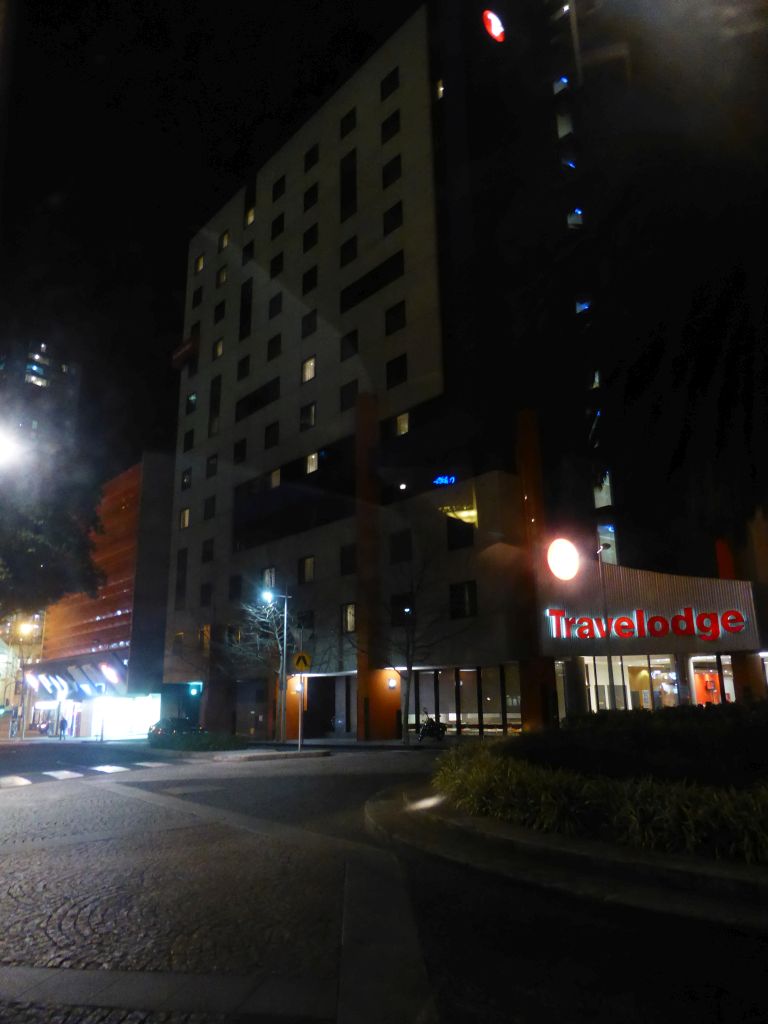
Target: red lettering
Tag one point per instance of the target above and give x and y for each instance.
(569, 624)
(658, 625)
(604, 626)
(586, 629)
(708, 626)
(640, 620)
(624, 627)
(682, 625)
(733, 621)
(557, 615)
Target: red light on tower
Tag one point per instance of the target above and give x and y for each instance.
(493, 26)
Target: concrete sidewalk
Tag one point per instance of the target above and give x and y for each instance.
(728, 894)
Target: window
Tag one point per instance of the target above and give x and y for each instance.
(348, 122)
(189, 441)
(311, 157)
(310, 197)
(219, 311)
(564, 125)
(191, 402)
(347, 559)
(221, 276)
(440, 89)
(235, 587)
(186, 478)
(391, 171)
(402, 424)
(392, 219)
(308, 369)
(209, 507)
(274, 478)
(211, 466)
(309, 280)
(278, 188)
(306, 569)
(178, 639)
(271, 434)
(268, 576)
(348, 185)
(390, 126)
(197, 297)
(368, 284)
(400, 547)
(310, 238)
(239, 450)
(223, 241)
(458, 534)
(184, 515)
(278, 226)
(274, 346)
(206, 594)
(217, 349)
(348, 251)
(348, 345)
(275, 305)
(206, 551)
(397, 371)
(214, 405)
(308, 416)
(311, 463)
(250, 216)
(257, 400)
(248, 253)
(348, 618)
(243, 367)
(583, 305)
(401, 609)
(276, 265)
(199, 263)
(576, 217)
(462, 599)
(347, 395)
(394, 318)
(390, 83)
(309, 323)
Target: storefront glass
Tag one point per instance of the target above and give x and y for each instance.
(705, 679)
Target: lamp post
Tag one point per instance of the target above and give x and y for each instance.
(611, 683)
(269, 596)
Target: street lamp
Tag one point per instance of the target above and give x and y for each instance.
(268, 596)
(10, 449)
(611, 684)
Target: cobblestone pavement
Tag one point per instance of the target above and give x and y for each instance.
(34, 1013)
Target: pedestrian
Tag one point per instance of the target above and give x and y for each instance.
(62, 727)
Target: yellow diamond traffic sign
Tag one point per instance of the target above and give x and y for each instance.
(302, 661)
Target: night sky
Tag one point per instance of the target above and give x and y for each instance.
(130, 123)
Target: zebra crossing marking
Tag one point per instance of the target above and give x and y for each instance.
(109, 769)
(8, 781)
(63, 774)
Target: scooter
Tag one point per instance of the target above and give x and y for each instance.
(432, 728)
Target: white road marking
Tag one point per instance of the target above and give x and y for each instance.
(64, 775)
(6, 781)
(108, 769)
(151, 764)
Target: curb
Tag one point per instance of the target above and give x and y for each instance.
(726, 894)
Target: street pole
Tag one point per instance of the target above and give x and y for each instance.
(301, 710)
(283, 672)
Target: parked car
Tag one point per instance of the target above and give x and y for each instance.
(172, 727)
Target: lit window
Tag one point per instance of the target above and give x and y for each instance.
(221, 276)
(348, 618)
(402, 424)
(199, 263)
(269, 577)
(223, 241)
(308, 416)
(603, 495)
(576, 217)
(564, 125)
(311, 463)
(308, 369)
(186, 479)
(217, 349)
(440, 89)
(184, 518)
(250, 215)
(274, 478)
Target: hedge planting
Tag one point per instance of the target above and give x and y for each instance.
(198, 741)
(673, 817)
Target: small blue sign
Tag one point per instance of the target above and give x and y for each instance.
(444, 480)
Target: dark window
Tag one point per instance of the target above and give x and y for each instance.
(209, 507)
(311, 157)
(348, 345)
(248, 253)
(211, 466)
(309, 280)
(347, 559)
(243, 367)
(271, 435)
(389, 83)
(274, 346)
(348, 185)
(348, 251)
(397, 371)
(186, 479)
(275, 305)
(276, 265)
(394, 318)
(393, 218)
(278, 226)
(390, 126)
(192, 365)
(235, 587)
(347, 122)
(246, 308)
(219, 311)
(462, 599)
(197, 297)
(391, 171)
(223, 241)
(400, 547)
(309, 323)
(206, 551)
(310, 238)
(376, 279)
(458, 534)
(278, 189)
(214, 397)
(310, 197)
(305, 569)
(239, 450)
(206, 594)
(258, 399)
(190, 403)
(189, 440)
(307, 416)
(401, 609)
(347, 395)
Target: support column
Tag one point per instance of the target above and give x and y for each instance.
(576, 694)
(503, 699)
(479, 681)
(538, 693)
(748, 677)
(457, 698)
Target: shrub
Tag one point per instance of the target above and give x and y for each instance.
(199, 741)
(674, 817)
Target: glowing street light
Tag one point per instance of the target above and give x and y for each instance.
(10, 450)
(268, 597)
(563, 559)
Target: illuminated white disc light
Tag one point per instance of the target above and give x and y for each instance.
(563, 559)
(493, 26)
